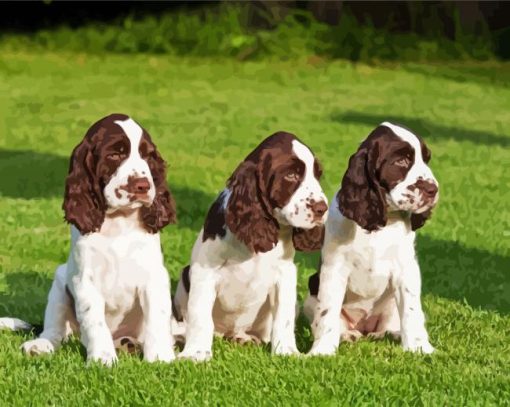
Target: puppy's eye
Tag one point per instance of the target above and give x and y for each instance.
(403, 162)
(292, 176)
(114, 156)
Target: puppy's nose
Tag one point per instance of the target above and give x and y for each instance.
(141, 186)
(319, 209)
(428, 188)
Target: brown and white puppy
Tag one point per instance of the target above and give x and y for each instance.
(241, 282)
(114, 283)
(369, 281)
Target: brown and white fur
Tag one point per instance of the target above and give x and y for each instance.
(114, 283)
(369, 281)
(241, 282)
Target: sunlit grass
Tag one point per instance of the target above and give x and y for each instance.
(207, 115)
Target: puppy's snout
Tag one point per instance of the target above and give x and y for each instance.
(319, 209)
(140, 186)
(429, 189)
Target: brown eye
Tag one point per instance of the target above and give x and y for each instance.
(292, 176)
(114, 156)
(403, 162)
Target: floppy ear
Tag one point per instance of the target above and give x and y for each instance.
(308, 240)
(419, 219)
(162, 211)
(84, 204)
(361, 198)
(247, 216)
(425, 152)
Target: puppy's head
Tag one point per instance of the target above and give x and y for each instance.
(117, 167)
(277, 185)
(389, 172)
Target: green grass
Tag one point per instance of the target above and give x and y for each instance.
(205, 116)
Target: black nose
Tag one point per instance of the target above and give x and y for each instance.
(141, 186)
(319, 209)
(428, 188)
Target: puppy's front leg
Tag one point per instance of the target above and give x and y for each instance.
(283, 339)
(200, 325)
(408, 295)
(56, 316)
(327, 326)
(157, 315)
(90, 313)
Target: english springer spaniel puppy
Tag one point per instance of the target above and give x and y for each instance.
(241, 282)
(114, 283)
(368, 258)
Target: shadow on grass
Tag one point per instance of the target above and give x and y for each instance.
(451, 270)
(429, 130)
(28, 174)
(488, 75)
(25, 296)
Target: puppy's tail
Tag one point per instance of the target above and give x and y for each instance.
(14, 324)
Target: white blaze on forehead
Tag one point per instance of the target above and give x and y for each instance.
(133, 132)
(407, 136)
(305, 155)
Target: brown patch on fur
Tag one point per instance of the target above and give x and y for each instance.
(419, 219)
(185, 278)
(94, 161)
(89, 171)
(265, 180)
(314, 281)
(370, 175)
(162, 211)
(215, 221)
(259, 185)
(308, 240)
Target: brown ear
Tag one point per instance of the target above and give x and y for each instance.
(162, 211)
(308, 240)
(361, 198)
(419, 219)
(425, 152)
(247, 216)
(84, 204)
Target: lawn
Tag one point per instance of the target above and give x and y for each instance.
(207, 115)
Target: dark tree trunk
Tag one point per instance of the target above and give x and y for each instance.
(470, 16)
(328, 12)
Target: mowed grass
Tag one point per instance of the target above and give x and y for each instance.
(206, 116)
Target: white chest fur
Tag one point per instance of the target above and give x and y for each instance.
(375, 259)
(119, 261)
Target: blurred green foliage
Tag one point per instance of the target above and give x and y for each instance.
(225, 31)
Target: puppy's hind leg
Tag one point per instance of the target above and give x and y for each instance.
(57, 318)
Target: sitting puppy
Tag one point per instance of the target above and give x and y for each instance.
(368, 258)
(114, 284)
(242, 279)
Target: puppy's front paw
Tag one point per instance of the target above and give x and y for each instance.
(419, 346)
(107, 358)
(195, 355)
(286, 350)
(322, 349)
(37, 347)
(162, 355)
